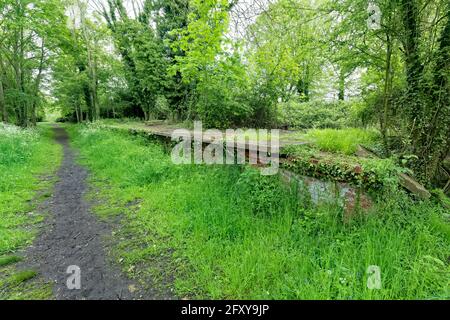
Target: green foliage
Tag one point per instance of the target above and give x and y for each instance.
(203, 38)
(69, 86)
(218, 76)
(150, 74)
(442, 198)
(162, 107)
(263, 194)
(89, 78)
(34, 27)
(440, 226)
(317, 114)
(221, 93)
(285, 57)
(25, 155)
(375, 175)
(15, 145)
(221, 234)
(344, 140)
(406, 83)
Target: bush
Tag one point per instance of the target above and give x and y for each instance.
(318, 114)
(221, 101)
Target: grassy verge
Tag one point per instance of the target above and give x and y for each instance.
(26, 156)
(227, 232)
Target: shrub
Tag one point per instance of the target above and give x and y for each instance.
(221, 101)
(317, 114)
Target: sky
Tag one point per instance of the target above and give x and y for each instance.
(243, 14)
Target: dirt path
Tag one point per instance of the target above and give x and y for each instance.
(73, 237)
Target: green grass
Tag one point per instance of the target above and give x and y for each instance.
(26, 156)
(23, 285)
(4, 261)
(21, 276)
(227, 232)
(342, 140)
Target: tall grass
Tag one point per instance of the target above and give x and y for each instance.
(342, 140)
(227, 232)
(24, 155)
(15, 144)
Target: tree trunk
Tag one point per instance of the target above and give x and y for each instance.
(341, 93)
(303, 85)
(37, 83)
(3, 109)
(414, 67)
(33, 114)
(386, 96)
(82, 118)
(438, 138)
(428, 108)
(92, 65)
(113, 110)
(146, 115)
(95, 88)
(19, 72)
(77, 114)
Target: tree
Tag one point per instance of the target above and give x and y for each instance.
(211, 65)
(28, 31)
(427, 96)
(406, 59)
(168, 16)
(84, 67)
(143, 51)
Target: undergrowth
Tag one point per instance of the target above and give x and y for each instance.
(26, 156)
(228, 232)
(373, 175)
(345, 141)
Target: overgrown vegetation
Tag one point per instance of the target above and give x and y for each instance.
(302, 64)
(374, 175)
(320, 115)
(27, 156)
(228, 232)
(344, 141)
(336, 75)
